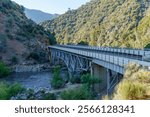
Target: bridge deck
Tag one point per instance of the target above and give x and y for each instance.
(112, 58)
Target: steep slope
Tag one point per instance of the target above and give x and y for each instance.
(143, 30)
(20, 38)
(39, 16)
(102, 22)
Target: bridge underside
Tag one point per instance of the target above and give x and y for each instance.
(73, 62)
(111, 66)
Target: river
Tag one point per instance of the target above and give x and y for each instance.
(36, 80)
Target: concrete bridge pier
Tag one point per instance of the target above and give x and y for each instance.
(100, 73)
(108, 78)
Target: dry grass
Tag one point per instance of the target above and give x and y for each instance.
(128, 90)
(135, 84)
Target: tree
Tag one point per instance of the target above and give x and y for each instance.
(57, 81)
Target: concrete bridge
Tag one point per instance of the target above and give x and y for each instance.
(103, 62)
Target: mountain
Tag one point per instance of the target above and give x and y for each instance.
(39, 16)
(21, 40)
(116, 23)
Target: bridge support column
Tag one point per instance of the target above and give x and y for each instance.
(101, 73)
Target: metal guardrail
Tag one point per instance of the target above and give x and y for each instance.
(129, 51)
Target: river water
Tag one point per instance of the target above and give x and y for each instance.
(39, 80)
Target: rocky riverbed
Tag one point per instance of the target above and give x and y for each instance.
(33, 80)
(31, 68)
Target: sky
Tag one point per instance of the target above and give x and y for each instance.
(52, 6)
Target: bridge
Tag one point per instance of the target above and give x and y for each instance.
(103, 62)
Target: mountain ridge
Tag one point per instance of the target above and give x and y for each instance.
(39, 16)
(102, 23)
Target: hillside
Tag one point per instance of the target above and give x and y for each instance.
(117, 23)
(21, 40)
(39, 16)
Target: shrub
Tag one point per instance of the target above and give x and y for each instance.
(131, 68)
(128, 90)
(15, 89)
(89, 80)
(135, 84)
(142, 76)
(81, 93)
(49, 96)
(134, 72)
(57, 81)
(4, 95)
(4, 71)
(7, 91)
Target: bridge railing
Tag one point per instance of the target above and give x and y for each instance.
(127, 51)
(117, 60)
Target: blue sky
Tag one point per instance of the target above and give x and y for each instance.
(51, 6)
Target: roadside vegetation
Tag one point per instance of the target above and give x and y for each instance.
(135, 84)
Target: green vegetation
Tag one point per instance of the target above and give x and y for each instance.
(117, 23)
(7, 91)
(49, 96)
(85, 92)
(57, 81)
(128, 90)
(75, 79)
(4, 70)
(135, 85)
(90, 81)
(81, 93)
(147, 46)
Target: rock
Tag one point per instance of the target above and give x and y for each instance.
(30, 68)
(30, 94)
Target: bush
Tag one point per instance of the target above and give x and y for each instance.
(49, 96)
(128, 90)
(81, 93)
(4, 71)
(135, 84)
(7, 91)
(57, 81)
(131, 68)
(4, 91)
(15, 89)
(89, 80)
